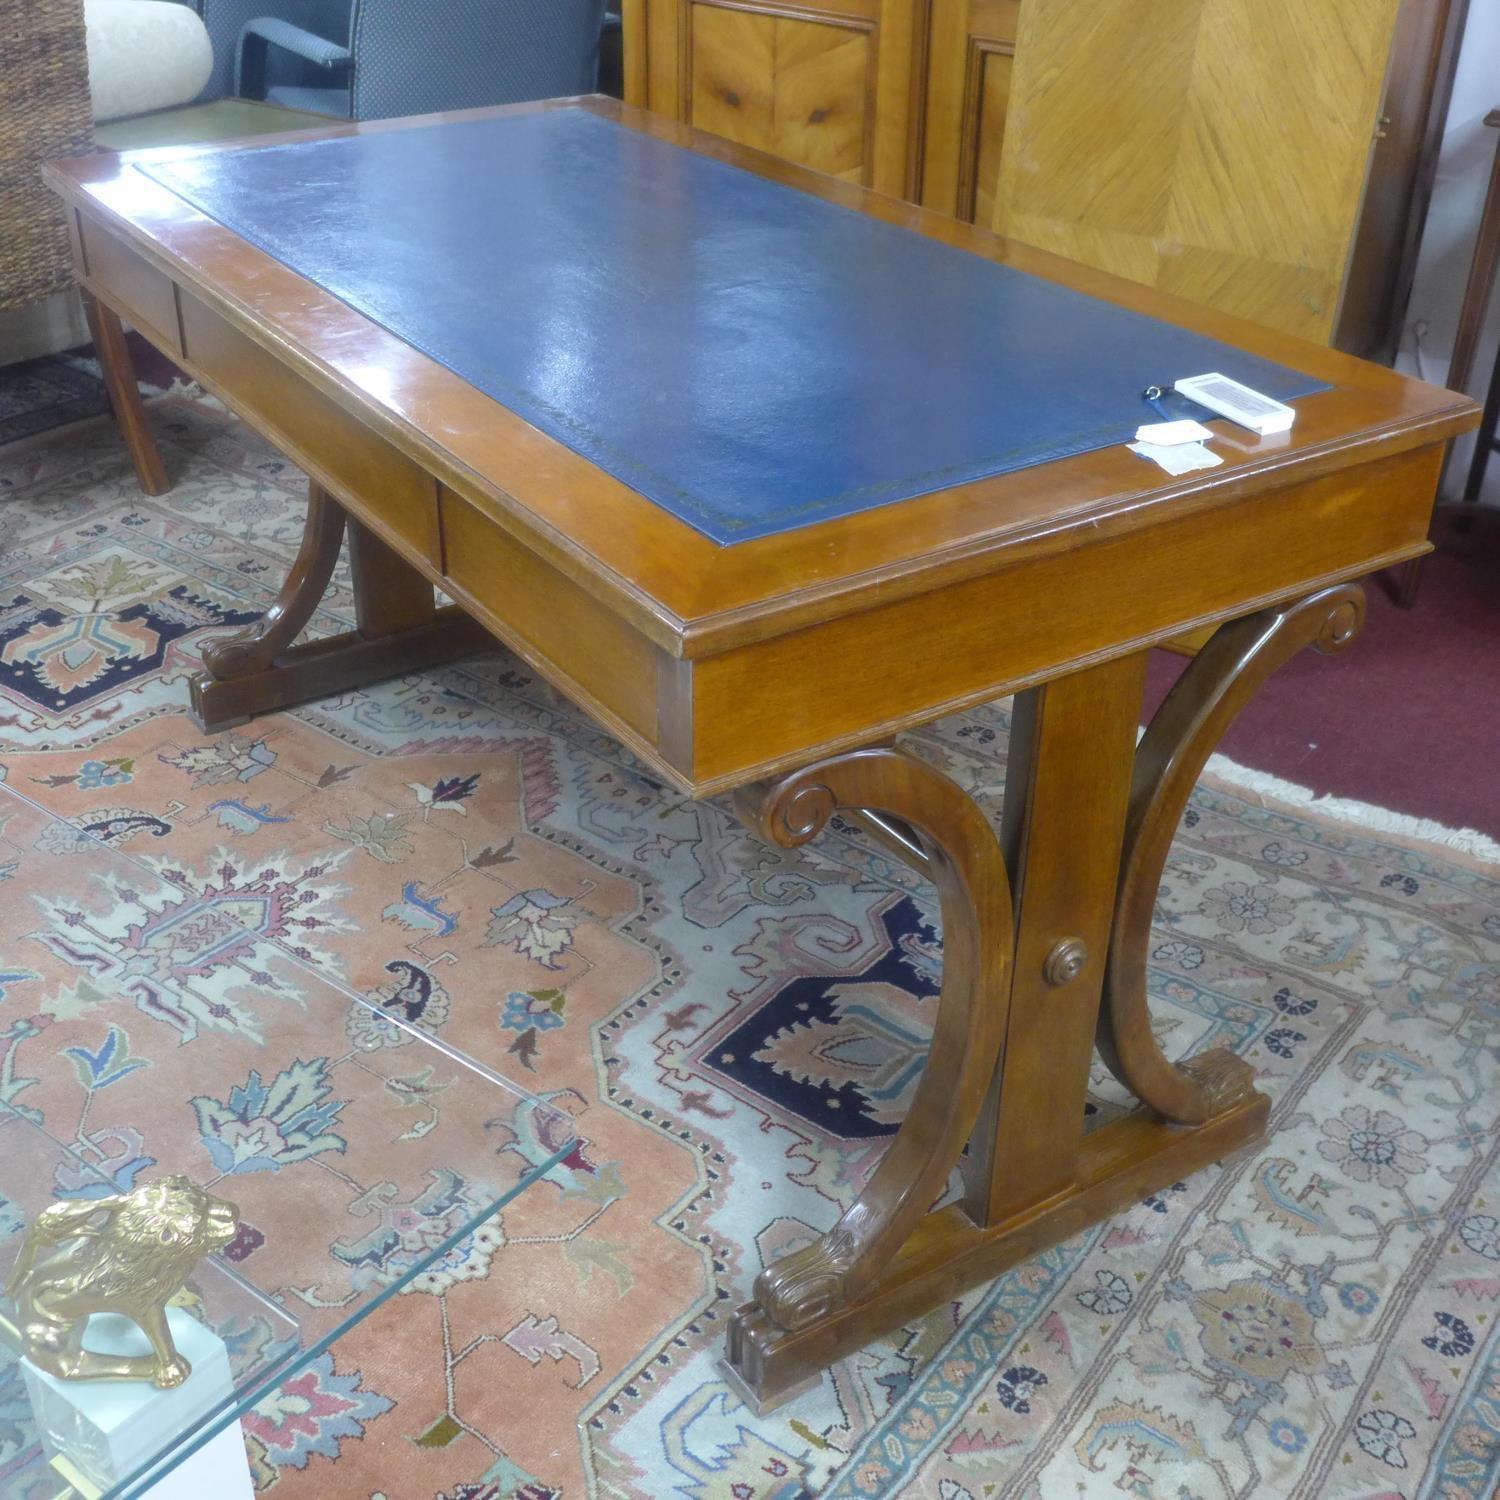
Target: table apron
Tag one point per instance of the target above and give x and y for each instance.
(762, 707)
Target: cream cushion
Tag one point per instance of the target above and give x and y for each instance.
(144, 55)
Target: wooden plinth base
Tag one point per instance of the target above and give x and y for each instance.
(336, 664)
(1117, 1166)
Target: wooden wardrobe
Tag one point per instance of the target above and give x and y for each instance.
(1131, 126)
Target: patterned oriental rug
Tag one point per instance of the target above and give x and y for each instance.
(736, 1030)
(39, 394)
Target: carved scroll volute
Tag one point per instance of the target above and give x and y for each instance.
(1219, 681)
(789, 812)
(956, 848)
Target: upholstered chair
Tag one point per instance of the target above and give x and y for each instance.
(226, 19)
(391, 57)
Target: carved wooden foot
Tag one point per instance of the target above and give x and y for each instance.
(1115, 1168)
(125, 395)
(1188, 725)
(928, 820)
(258, 669)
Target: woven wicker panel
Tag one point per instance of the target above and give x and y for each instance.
(44, 112)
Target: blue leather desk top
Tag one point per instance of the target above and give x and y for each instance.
(748, 357)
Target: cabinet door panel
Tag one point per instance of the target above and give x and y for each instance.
(801, 88)
(993, 104)
(971, 55)
(1214, 148)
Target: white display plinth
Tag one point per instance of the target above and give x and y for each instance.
(106, 1430)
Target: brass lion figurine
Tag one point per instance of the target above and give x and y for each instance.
(128, 1254)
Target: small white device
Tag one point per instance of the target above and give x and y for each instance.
(1238, 402)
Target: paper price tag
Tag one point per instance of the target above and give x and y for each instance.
(1180, 458)
(1169, 434)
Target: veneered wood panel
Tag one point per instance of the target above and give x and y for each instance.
(574, 640)
(635, 51)
(1217, 149)
(942, 76)
(799, 88)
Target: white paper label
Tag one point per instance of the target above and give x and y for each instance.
(1169, 434)
(1180, 459)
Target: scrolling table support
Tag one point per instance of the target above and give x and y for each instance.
(398, 628)
(1041, 927)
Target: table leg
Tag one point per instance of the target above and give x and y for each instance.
(1045, 935)
(941, 831)
(1479, 287)
(1218, 682)
(125, 395)
(1471, 321)
(398, 628)
(1408, 581)
(1067, 779)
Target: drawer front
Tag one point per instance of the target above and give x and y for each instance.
(591, 653)
(392, 493)
(142, 295)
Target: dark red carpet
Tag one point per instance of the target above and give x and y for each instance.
(1408, 717)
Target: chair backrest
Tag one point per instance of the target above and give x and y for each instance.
(225, 19)
(457, 54)
(44, 112)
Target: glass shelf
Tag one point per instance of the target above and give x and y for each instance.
(151, 1026)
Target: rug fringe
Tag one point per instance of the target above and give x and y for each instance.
(1468, 841)
(181, 385)
(186, 388)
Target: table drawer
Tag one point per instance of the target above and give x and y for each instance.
(144, 296)
(593, 654)
(380, 484)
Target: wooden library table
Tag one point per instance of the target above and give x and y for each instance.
(782, 667)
